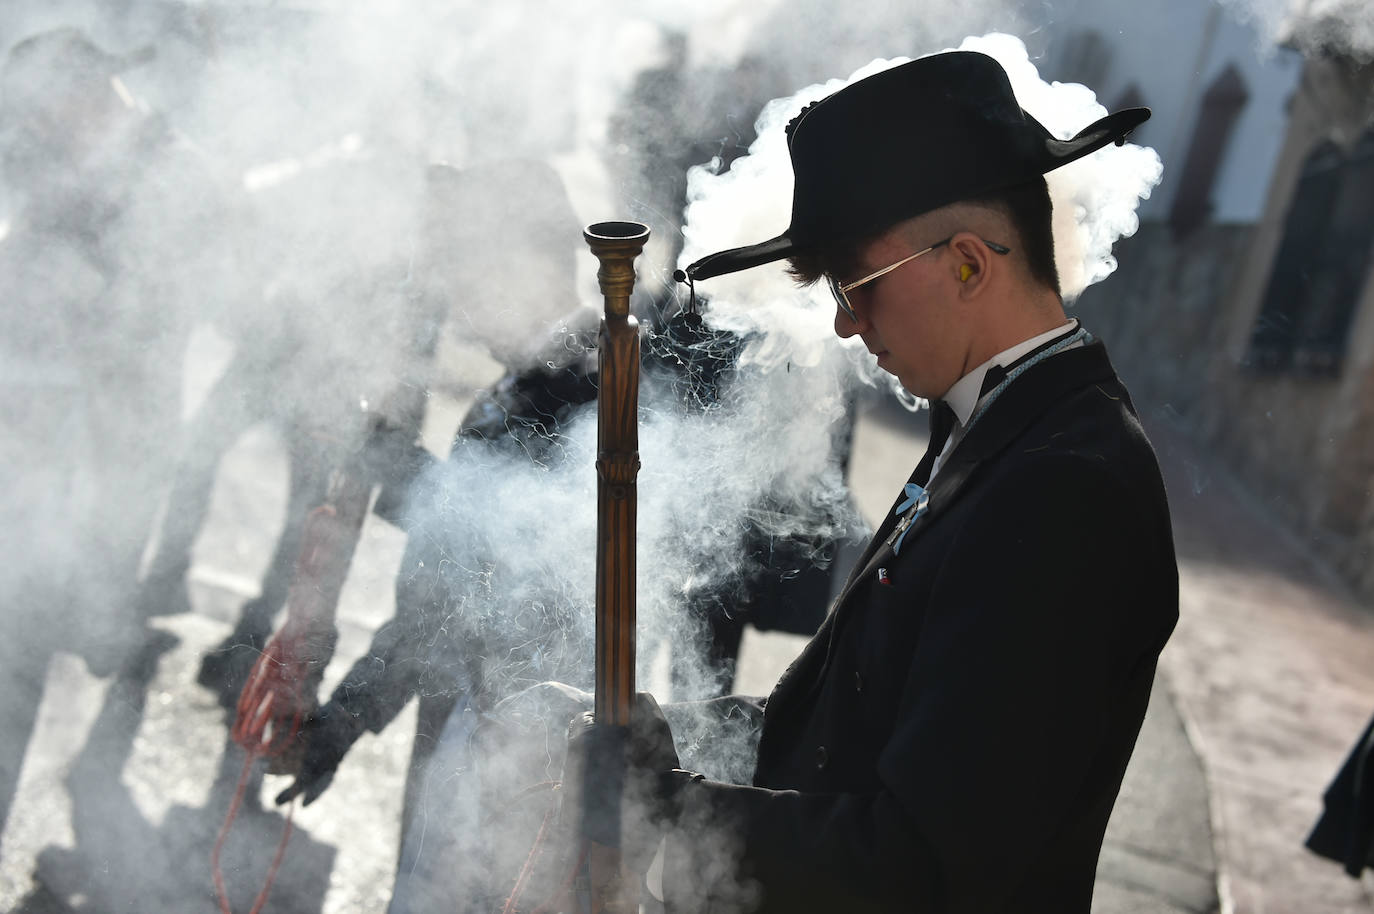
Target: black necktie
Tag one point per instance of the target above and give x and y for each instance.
(942, 421)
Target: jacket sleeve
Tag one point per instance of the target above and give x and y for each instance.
(421, 650)
(1059, 589)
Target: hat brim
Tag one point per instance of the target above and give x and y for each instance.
(1114, 128)
(736, 259)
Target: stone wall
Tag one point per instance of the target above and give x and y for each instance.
(1159, 314)
(1175, 317)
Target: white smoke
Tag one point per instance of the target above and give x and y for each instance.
(311, 130)
(293, 231)
(516, 534)
(1314, 26)
(1095, 198)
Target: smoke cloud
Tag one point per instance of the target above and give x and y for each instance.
(239, 224)
(232, 216)
(1313, 26)
(1095, 201)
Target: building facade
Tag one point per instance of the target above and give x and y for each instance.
(1257, 338)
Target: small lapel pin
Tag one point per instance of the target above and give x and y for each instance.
(917, 500)
(883, 578)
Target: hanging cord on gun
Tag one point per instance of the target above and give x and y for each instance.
(693, 315)
(578, 859)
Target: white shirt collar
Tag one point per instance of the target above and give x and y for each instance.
(963, 397)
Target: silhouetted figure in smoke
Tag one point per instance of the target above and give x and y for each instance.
(678, 115)
(497, 238)
(280, 383)
(440, 652)
(339, 435)
(462, 668)
(109, 245)
(123, 860)
(332, 357)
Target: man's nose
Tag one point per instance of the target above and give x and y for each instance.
(846, 326)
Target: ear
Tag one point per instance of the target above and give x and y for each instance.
(973, 264)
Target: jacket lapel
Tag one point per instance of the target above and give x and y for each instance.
(941, 424)
(804, 674)
(945, 488)
(1006, 419)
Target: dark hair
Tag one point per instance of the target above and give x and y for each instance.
(1027, 206)
(1031, 213)
(807, 267)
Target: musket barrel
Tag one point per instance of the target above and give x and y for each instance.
(616, 245)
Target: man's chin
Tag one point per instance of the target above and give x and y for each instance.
(915, 388)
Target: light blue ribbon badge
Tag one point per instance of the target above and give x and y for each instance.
(917, 501)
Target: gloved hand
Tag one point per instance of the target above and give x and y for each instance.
(619, 782)
(327, 735)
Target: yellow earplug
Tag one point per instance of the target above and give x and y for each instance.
(965, 271)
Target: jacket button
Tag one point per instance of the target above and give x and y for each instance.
(858, 682)
(821, 756)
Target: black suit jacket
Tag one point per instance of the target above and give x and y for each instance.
(954, 737)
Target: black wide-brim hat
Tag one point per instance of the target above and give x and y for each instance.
(906, 141)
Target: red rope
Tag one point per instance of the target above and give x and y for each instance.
(279, 691)
(276, 860)
(234, 806)
(528, 868)
(522, 880)
(272, 704)
(545, 908)
(269, 714)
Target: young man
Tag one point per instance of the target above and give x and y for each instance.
(954, 737)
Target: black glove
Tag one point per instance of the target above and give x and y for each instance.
(327, 735)
(620, 780)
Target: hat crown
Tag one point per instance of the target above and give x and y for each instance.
(905, 141)
(908, 140)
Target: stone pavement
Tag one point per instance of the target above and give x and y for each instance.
(1272, 672)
